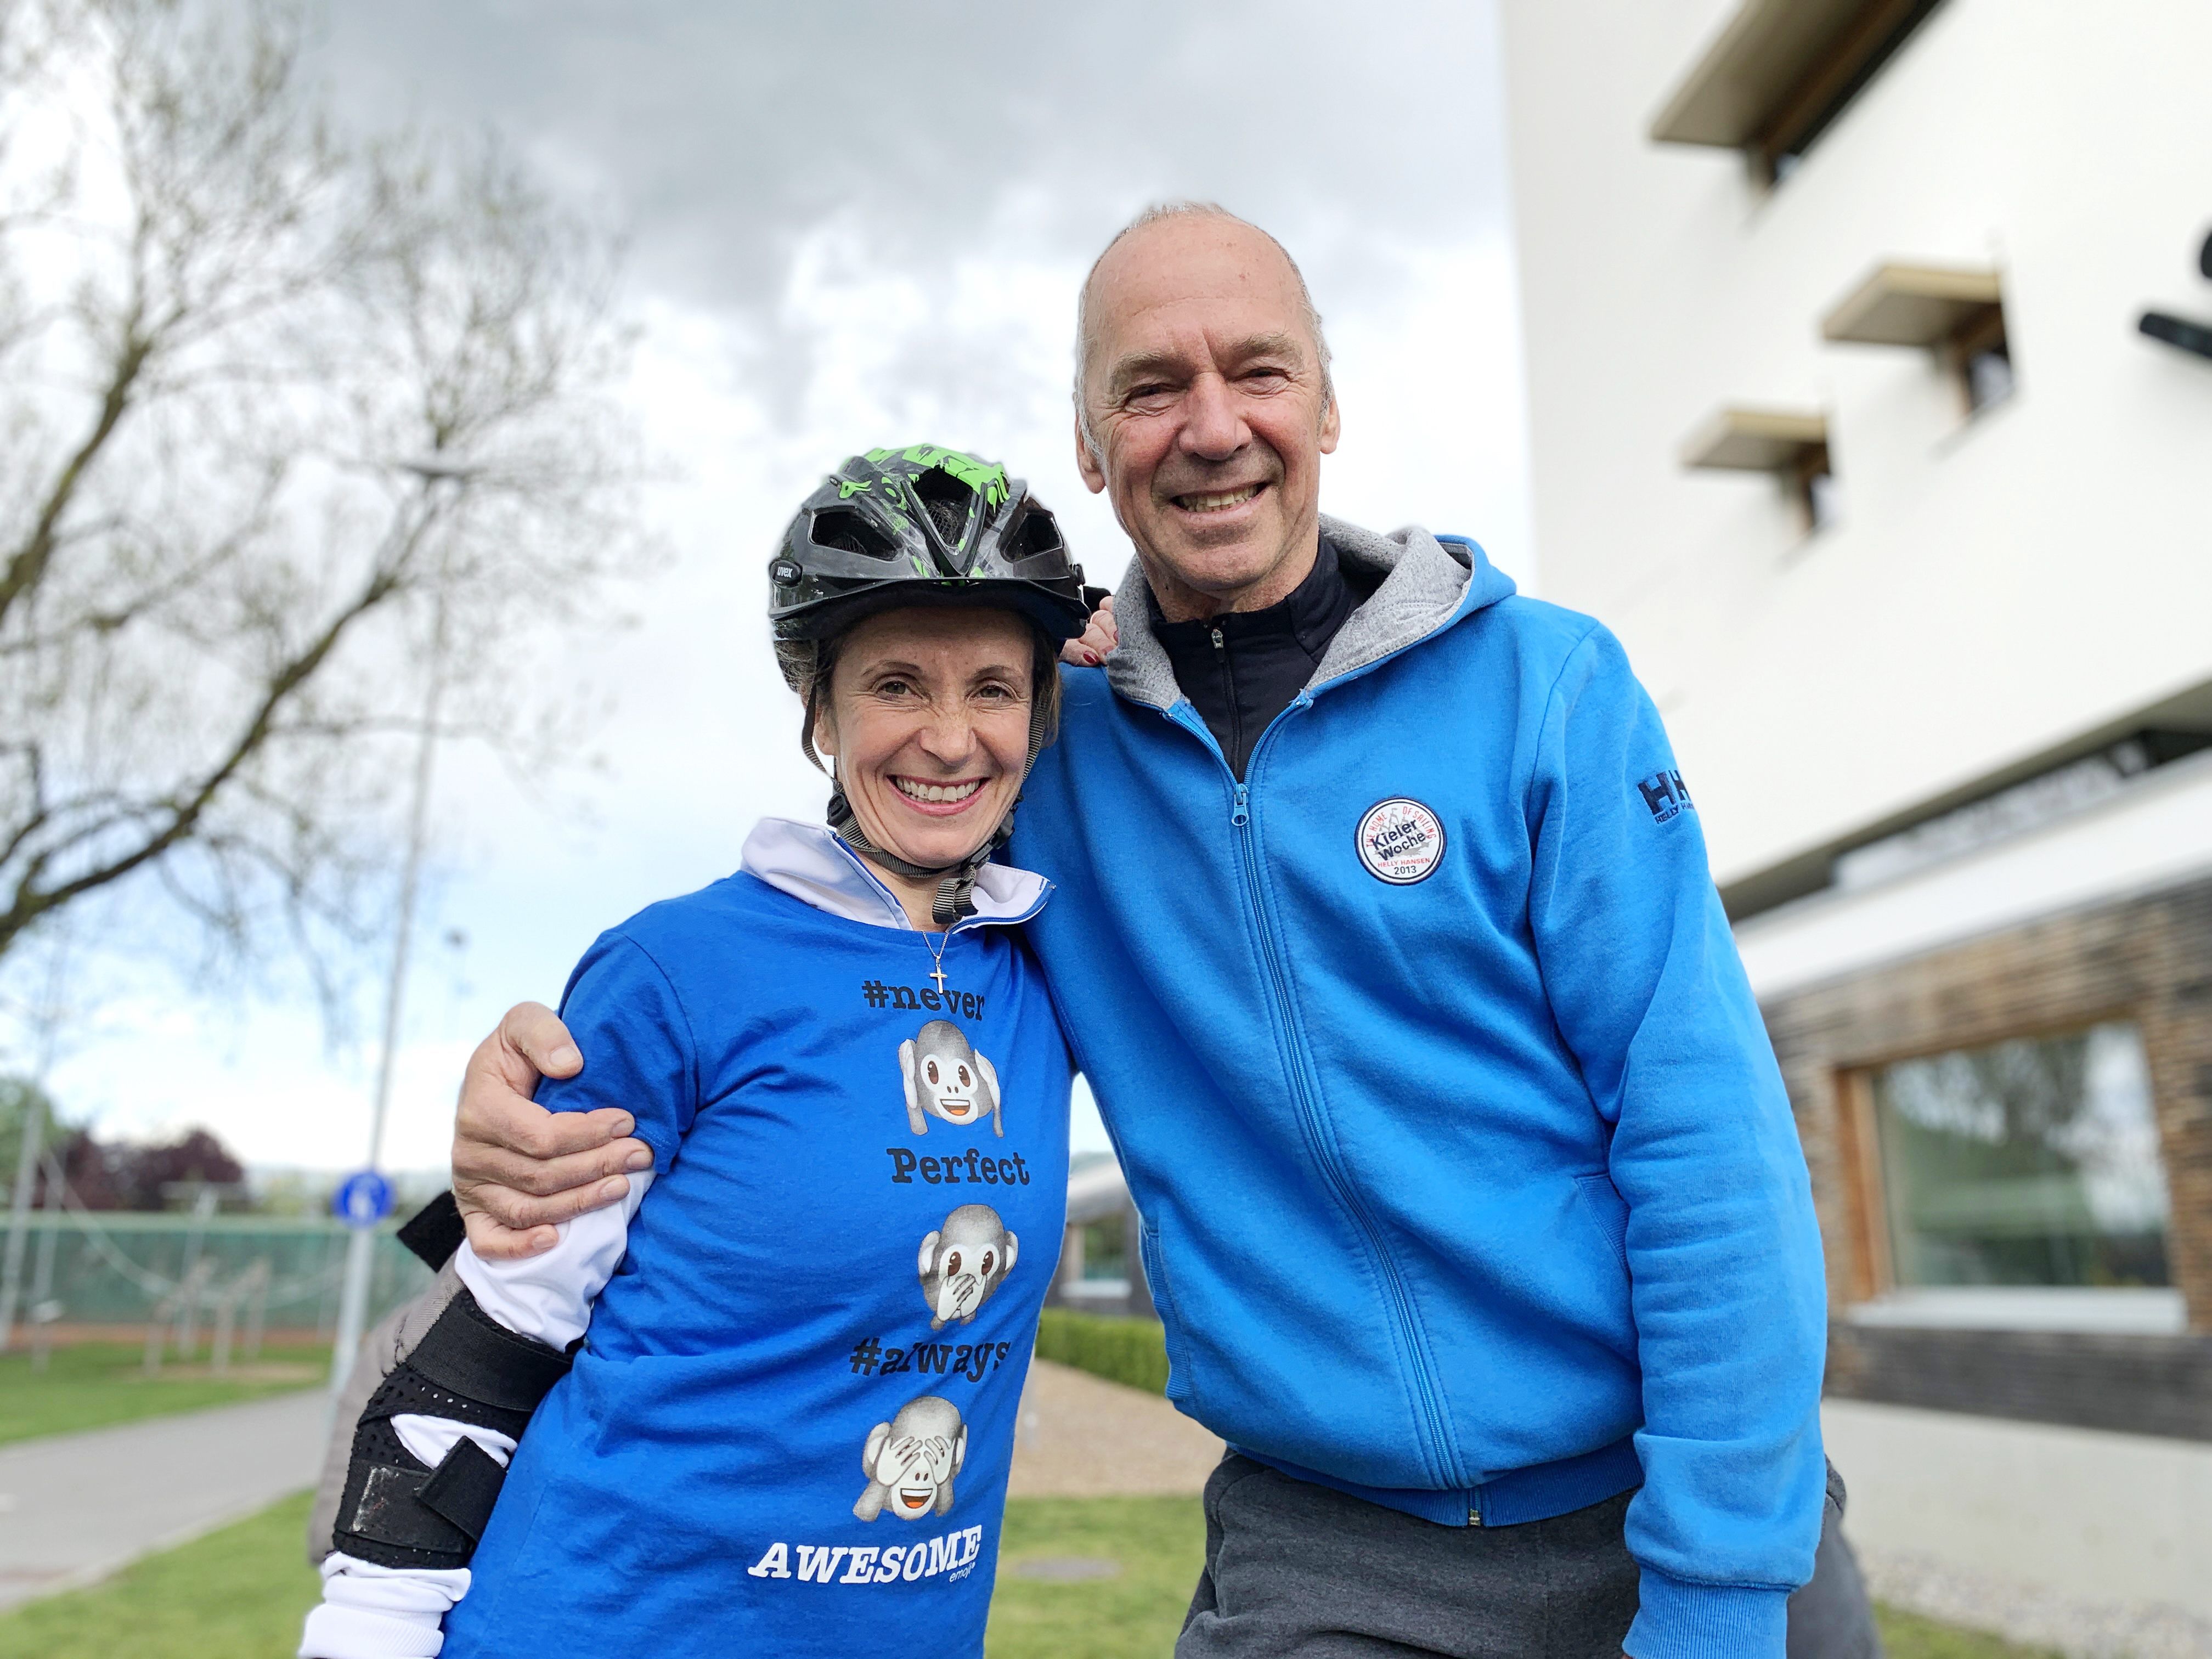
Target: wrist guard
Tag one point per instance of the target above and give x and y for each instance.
(396, 1512)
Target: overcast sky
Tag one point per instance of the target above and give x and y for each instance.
(850, 225)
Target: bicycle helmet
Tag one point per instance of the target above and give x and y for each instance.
(922, 526)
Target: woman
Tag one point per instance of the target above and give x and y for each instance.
(815, 1315)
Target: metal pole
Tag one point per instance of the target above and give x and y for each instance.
(42, 1276)
(19, 1215)
(26, 1163)
(353, 1303)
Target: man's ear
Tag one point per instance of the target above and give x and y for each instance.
(1094, 475)
(1332, 428)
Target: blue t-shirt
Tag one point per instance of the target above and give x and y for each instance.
(788, 1429)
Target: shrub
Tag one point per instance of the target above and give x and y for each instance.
(1131, 1351)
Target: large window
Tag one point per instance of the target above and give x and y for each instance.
(1106, 1250)
(2032, 1162)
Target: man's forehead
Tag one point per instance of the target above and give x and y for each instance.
(1176, 277)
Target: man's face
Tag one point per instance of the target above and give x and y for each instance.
(1204, 390)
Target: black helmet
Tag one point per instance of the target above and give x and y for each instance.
(922, 526)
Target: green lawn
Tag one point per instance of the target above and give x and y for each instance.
(1158, 1543)
(240, 1593)
(237, 1593)
(1908, 1636)
(92, 1384)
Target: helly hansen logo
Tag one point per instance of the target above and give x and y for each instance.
(1664, 793)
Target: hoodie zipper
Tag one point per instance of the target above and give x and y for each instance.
(1310, 1113)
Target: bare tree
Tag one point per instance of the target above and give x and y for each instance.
(278, 415)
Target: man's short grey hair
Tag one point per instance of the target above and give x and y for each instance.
(1086, 327)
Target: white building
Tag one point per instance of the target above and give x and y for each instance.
(1842, 418)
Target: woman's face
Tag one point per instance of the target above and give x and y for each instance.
(928, 718)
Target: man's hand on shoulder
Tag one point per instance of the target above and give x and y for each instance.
(519, 1169)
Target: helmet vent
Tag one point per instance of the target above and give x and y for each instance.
(847, 531)
(1039, 533)
(948, 502)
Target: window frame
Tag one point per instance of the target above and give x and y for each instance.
(1864, 1189)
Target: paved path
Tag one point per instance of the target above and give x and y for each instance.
(75, 1507)
(1082, 1437)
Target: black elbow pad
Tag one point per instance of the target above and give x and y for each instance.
(435, 1232)
(397, 1511)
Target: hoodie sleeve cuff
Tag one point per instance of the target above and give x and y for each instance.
(1678, 1619)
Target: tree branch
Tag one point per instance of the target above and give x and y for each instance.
(30, 903)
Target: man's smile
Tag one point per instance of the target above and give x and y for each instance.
(1218, 501)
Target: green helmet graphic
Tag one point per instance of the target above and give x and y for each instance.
(921, 525)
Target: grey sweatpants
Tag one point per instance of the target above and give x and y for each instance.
(1295, 1569)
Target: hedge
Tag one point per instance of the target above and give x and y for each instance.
(1131, 1351)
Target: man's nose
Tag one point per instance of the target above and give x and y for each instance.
(1213, 427)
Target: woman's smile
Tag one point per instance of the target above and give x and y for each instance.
(938, 799)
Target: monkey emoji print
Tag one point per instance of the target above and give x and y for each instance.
(911, 1460)
(947, 1078)
(963, 1261)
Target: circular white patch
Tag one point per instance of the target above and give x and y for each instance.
(1401, 842)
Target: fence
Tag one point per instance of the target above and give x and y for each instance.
(120, 1269)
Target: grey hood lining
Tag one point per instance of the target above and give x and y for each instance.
(1424, 582)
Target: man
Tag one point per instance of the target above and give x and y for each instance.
(1472, 1203)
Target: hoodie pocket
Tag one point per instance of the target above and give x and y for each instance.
(1156, 1281)
(1606, 1211)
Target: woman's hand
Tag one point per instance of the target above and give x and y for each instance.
(1098, 640)
(519, 1169)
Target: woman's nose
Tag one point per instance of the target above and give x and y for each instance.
(950, 737)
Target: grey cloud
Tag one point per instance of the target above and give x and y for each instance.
(722, 133)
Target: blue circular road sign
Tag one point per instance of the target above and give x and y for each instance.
(362, 1199)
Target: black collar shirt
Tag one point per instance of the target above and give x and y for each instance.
(1241, 669)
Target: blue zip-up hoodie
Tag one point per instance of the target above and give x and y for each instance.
(1468, 1177)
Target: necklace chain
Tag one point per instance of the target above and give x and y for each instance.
(937, 954)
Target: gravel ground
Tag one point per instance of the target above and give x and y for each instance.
(2021, 1613)
(1083, 1437)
